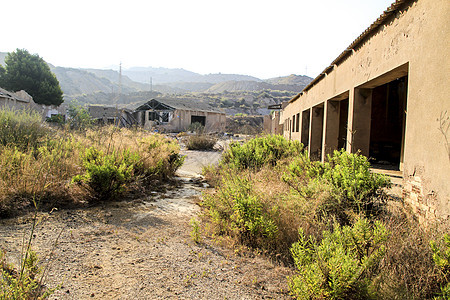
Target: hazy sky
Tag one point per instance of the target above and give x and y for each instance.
(261, 38)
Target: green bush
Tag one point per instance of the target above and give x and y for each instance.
(106, 175)
(351, 184)
(341, 265)
(260, 151)
(25, 283)
(441, 258)
(23, 129)
(56, 119)
(235, 209)
(351, 178)
(160, 157)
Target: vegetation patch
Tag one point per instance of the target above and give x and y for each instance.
(330, 221)
(39, 163)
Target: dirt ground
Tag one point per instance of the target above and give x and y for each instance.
(142, 249)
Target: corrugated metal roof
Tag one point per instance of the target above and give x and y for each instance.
(393, 8)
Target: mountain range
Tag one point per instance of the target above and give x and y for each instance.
(76, 81)
(99, 86)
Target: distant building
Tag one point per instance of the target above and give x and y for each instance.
(387, 95)
(22, 100)
(176, 115)
(104, 115)
(18, 100)
(272, 121)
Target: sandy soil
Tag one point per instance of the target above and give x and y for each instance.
(141, 249)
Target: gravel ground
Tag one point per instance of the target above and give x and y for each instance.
(142, 249)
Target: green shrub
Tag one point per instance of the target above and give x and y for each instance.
(25, 283)
(260, 151)
(341, 265)
(441, 258)
(106, 175)
(235, 209)
(351, 178)
(23, 129)
(160, 157)
(195, 231)
(56, 119)
(351, 184)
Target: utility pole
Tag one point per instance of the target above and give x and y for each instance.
(119, 94)
(120, 80)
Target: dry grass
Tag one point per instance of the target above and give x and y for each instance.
(200, 142)
(40, 174)
(408, 270)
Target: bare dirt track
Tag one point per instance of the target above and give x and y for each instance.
(141, 249)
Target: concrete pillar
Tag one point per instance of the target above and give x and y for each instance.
(330, 128)
(316, 133)
(359, 119)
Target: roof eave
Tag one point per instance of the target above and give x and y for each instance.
(358, 41)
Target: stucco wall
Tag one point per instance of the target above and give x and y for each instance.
(413, 43)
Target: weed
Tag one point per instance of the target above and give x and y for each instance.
(22, 129)
(200, 142)
(25, 283)
(260, 151)
(341, 265)
(195, 232)
(237, 210)
(106, 175)
(441, 258)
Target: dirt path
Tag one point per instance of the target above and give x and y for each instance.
(142, 249)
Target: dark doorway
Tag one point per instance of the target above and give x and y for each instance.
(305, 128)
(387, 123)
(153, 116)
(343, 123)
(198, 119)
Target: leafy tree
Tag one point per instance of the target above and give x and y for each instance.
(29, 72)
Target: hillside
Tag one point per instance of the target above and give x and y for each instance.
(234, 86)
(290, 80)
(78, 81)
(113, 76)
(165, 75)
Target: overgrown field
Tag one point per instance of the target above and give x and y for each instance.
(330, 221)
(41, 165)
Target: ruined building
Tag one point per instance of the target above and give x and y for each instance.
(388, 96)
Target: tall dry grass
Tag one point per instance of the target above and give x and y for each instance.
(39, 162)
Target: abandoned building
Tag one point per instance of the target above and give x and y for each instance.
(22, 100)
(387, 96)
(107, 115)
(17, 100)
(272, 121)
(176, 115)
